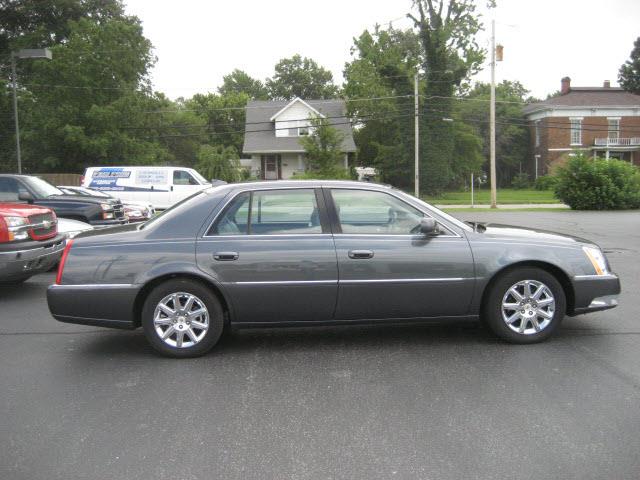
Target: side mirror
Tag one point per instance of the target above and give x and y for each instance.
(25, 197)
(429, 226)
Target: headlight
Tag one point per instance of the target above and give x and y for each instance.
(15, 226)
(16, 222)
(596, 257)
(106, 207)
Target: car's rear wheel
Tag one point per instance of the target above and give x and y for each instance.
(182, 318)
(525, 305)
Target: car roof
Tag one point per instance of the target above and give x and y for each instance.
(275, 184)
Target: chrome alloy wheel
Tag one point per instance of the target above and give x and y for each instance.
(181, 320)
(528, 307)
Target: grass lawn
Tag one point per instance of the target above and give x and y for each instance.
(505, 195)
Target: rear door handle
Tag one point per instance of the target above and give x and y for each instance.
(357, 254)
(225, 256)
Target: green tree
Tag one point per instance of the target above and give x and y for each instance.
(301, 77)
(447, 31)
(629, 74)
(224, 117)
(239, 82)
(512, 136)
(383, 65)
(324, 151)
(219, 162)
(88, 105)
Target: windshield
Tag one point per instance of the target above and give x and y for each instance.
(199, 177)
(170, 210)
(42, 187)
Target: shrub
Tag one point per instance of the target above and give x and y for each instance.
(597, 184)
(547, 182)
(520, 181)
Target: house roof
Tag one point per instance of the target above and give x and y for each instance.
(588, 97)
(260, 136)
(292, 102)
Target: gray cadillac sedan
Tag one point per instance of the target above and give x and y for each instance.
(322, 252)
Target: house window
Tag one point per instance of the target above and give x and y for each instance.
(576, 131)
(303, 131)
(537, 127)
(614, 128)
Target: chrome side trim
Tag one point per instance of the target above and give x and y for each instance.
(608, 276)
(93, 286)
(279, 235)
(405, 280)
(287, 282)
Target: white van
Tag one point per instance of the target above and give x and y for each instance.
(160, 186)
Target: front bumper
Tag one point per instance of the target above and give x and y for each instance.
(21, 261)
(101, 305)
(595, 292)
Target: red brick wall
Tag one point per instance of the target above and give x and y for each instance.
(555, 132)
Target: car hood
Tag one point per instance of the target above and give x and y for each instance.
(81, 199)
(511, 232)
(21, 209)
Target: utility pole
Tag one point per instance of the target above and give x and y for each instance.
(492, 117)
(14, 82)
(416, 115)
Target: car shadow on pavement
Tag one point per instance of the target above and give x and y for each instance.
(240, 342)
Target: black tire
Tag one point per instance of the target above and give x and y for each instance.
(204, 295)
(492, 312)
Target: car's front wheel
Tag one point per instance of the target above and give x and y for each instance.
(525, 305)
(182, 318)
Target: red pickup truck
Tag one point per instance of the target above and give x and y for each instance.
(29, 241)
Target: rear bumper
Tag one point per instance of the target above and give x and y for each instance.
(595, 292)
(21, 261)
(103, 305)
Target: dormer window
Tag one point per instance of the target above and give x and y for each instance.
(303, 131)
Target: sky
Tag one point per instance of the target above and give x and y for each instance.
(198, 41)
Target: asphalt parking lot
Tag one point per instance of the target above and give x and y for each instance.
(342, 402)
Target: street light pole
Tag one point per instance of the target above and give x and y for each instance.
(492, 117)
(24, 53)
(14, 81)
(416, 152)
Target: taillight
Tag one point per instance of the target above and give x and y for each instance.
(82, 180)
(63, 259)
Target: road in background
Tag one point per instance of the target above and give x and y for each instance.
(442, 402)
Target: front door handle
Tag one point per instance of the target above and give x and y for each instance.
(225, 256)
(357, 254)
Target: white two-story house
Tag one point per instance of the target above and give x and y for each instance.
(273, 130)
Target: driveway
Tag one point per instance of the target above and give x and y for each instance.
(441, 402)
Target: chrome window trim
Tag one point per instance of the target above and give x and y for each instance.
(240, 192)
(305, 235)
(313, 186)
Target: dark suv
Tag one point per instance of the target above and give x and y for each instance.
(34, 190)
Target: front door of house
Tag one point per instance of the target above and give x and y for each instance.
(271, 167)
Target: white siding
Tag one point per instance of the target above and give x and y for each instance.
(290, 165)
(295, 116)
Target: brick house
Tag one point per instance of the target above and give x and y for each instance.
(603, 121)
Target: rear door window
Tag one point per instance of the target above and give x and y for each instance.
(270, 212)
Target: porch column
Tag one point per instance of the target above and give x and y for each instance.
(346, 161)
